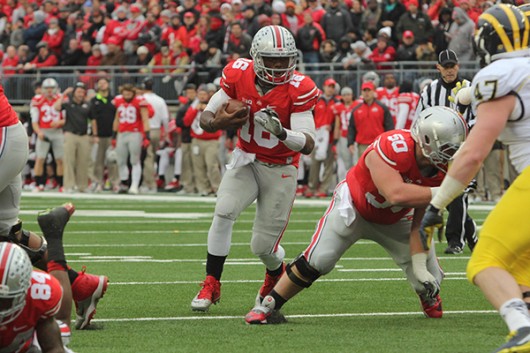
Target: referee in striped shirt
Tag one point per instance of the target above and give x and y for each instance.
(460, 227)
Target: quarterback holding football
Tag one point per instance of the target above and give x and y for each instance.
(279, 127)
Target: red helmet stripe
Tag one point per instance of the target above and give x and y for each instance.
(278, 36)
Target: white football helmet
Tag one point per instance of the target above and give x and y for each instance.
(372, 76)
(439, 131)
(50, 83)
(274, 42)
(15, 279)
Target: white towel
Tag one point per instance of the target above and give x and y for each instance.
(240, 158)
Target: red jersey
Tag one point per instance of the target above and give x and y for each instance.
(389, 97)
(43, 301)
(397, 149)
(344, 112)
(8, 116)
(47, 113)
(408, 101)
(129, 113)
(299, 95)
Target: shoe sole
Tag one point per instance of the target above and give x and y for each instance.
(48, 218)
(96, 296)
(204, 308)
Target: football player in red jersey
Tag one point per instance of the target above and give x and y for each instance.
(383, 199)
(388, 94)
(407, 102)
(29, 301)
(47, 124)
(131, 125)
(264, 164)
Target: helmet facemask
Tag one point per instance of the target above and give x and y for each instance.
(274, 76)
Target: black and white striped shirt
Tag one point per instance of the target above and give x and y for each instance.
(437, 93)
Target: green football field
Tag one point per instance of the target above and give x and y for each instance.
(153, 250)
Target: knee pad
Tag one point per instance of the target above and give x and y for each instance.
(21, 237)
(305, 269)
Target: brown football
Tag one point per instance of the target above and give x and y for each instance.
(235, 105)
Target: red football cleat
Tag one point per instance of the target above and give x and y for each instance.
(87, 290)
(432, 309)
(208, 295)
(269, 283)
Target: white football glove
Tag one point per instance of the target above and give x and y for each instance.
(419, 267)
(269, 120)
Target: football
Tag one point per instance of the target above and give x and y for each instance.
(235, 105)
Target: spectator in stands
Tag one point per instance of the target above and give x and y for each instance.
(328, 51)
(469, 7)
(316, 10)
(175, 31)
(416, 21)
(371, 17)
(23, 57)
(425, 51)
(54, 37)
(34, 33)
(336, 22)
(310, 37)
(205, 162)
(17, 34)
(386, 33)
(190, 6)
(440, 39)
(44, 58)
(250, 20)
(114, 55)
(369, 119)
(238, 42)
(150, 33)
(216, 31)
(262, 8)
(71, 54)
(370, 38)
(189, 28)
(344, 50)
(97, 22)
(291, 19)
(461, 34)
(407, 49)
(383, 53)
(133, 27)
(95, 59)
(391, 12)
(360, 56)
(76, 29)
(356, 14)
(11, 61)
(142, 57)
(86, 52)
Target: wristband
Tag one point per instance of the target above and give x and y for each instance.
(294, 140)
(449, 190)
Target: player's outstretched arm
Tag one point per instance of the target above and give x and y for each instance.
(49, 336)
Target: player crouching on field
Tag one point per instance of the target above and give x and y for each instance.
(382, 199)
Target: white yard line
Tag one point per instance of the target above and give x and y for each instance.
(295, 316)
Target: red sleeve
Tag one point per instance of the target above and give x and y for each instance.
(150, 110)
(50, 61)
(404, 99)
(396, 149)
(56, 41)
(232, 74)
(135, 32)
(304, 93)
(190, 116)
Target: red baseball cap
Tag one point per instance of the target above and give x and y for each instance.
(368, 85)
(408, 34)
(330, 82)
(135, 8)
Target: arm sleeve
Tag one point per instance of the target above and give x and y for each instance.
(403, 112)
(303, 122)
(219, 98)
(34, 113)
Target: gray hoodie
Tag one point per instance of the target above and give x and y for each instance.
(460, 35)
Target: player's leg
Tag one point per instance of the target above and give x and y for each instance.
(503, 240)
(122, 154)
(395, 240)
(57, 144)
(277, 191)
(335, 232)
(459, 226)
(238, 189)
(135, 151)
(41, 152)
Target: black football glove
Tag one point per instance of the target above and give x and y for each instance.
(432, 221)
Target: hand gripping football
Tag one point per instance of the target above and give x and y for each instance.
(235, 105)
